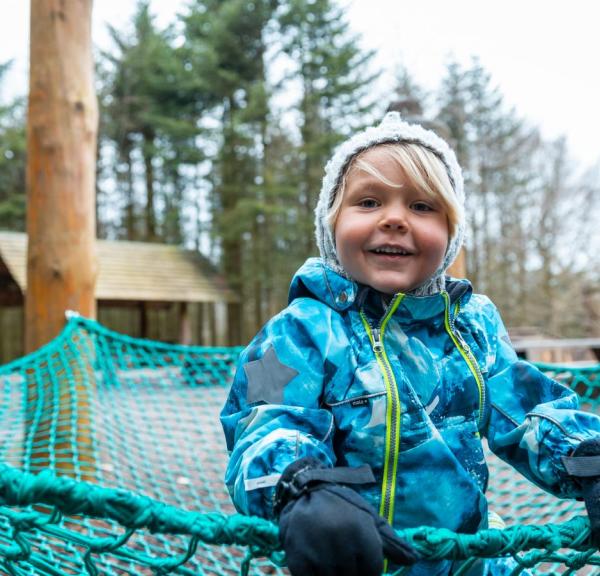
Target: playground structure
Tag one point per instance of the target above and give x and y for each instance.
(144, 289)
(145, 494)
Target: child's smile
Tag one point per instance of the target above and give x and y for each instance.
(390, 236)
(393, 251)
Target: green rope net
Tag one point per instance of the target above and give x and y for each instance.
(112, 462)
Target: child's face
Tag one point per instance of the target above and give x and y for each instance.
(390, 238)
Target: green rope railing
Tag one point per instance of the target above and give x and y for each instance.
(135, 512)
(155, 502)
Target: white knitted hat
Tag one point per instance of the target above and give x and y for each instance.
(392, 129)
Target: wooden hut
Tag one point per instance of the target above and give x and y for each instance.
(145, 290)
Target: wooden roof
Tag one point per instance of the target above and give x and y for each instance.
(135, 271)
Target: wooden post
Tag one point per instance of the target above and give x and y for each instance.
(200, 324)
(61, 168)
(212, 324)
(61, 225)
(234, 323)
(143, 319)
(185, 326)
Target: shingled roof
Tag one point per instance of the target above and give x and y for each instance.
(135, 271)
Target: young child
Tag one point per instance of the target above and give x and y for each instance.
(362, 405)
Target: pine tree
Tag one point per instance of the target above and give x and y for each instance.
(225, 46)
(409, 97)
(149, 127)
(333, 76)
(12, 162)
(494, 148)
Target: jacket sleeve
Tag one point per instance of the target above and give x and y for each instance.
(533, 420)
(273, 415)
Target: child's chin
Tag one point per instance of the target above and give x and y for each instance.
(392, 289)
(391, 286)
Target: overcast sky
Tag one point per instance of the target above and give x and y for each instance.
(543, 55)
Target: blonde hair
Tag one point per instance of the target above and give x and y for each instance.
(421, 167)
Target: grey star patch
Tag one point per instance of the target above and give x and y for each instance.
(267, 377)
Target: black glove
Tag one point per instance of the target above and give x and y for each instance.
(584, 465)
(329, 530)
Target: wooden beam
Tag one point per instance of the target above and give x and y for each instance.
(11, 298)
(61, 168)
(200, 323)
(143, 319)
(234, 323)
(546, 343)
(185, 325)
(61, 259)
(149, 304)
(212, 324)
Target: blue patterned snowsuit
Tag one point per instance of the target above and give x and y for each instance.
(408, 387)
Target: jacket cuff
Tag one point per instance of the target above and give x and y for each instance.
(304, 474)
(289, 486)
(585, 460)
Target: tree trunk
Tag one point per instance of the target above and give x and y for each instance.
(61, 259)
(130, 220)
(231, 192)
(61, 143)
(151, 235)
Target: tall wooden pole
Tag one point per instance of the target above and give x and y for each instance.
(61, 168)
(61, 225)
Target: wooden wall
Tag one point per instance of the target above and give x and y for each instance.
(207, 324)
(12, 337)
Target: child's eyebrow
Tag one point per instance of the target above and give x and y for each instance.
(368, 187)
(370, 182)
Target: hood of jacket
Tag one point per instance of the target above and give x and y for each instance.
(319, 280)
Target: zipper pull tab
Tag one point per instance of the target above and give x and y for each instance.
(461, 340)
(377, 345)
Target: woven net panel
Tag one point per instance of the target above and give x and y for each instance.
(151, 427)
(517, 500)
(132, 427)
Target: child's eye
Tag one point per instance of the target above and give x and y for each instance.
(368, 203)
(422, 207)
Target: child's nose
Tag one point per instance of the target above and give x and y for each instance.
(395, 219)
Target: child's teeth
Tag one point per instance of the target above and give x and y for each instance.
(390, 251)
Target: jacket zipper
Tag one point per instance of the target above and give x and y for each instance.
(465, 351)
(393, 410)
